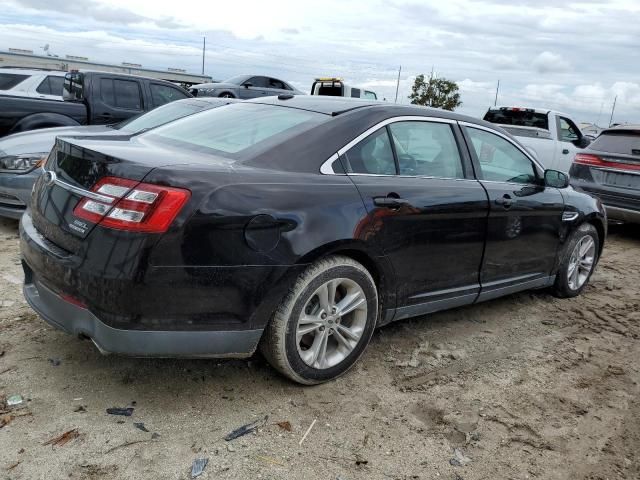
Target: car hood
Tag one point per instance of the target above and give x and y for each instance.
(36, 141)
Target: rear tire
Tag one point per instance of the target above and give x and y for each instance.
(325, 322)
(226, 95)
(578, 261)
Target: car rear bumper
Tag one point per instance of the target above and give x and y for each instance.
(78, 321)
(623, 214)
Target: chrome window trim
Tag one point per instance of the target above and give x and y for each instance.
(327, 169)
(82, 192)
(502, 135)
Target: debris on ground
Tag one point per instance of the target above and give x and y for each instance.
(55, 361)
(244, 429)
(459, 458)
(5, 420)
(63, 438)
(140, 426)
(155, 435)
(270, 460)
(198, 466)
(14, 400)
(308, 430)
(286, 425)
(13, 465)
(126, 412)
(548, 322)
(80, 409)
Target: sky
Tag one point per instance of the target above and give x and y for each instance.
(572, 56)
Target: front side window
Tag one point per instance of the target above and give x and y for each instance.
(370, 95)
(373, 155)
(500, 160)
(161, 94)
(426, 149)
(568, 131)
(51, 85)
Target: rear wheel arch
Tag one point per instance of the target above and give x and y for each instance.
(600, 228)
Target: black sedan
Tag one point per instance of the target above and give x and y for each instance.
(297, 225)
(610, 169)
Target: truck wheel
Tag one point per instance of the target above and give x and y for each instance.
(325, 322)
(578, 261)
(226, 95)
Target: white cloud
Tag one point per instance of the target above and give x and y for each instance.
(548, 62)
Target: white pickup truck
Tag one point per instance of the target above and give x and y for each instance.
(552, 137)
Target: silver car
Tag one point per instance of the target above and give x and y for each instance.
(22, 154)
(245, 87)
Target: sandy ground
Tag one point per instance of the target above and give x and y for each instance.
(523, 387)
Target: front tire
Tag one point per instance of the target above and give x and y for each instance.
(226, 95)
(578, 261)
(325, 322)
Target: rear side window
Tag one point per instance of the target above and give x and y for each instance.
(373, 155)
(275, 83)
(51, 85)
(161, 94)
(238, 127)
(123, 94)
(10, 80)
(355, 93)
(426, 149)
(520, 117)
(623, 142)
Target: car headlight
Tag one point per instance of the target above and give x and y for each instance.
(23, 162)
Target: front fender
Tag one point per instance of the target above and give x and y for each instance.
(43, 120)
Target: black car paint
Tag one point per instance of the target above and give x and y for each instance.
(19, 114)
(209, 272)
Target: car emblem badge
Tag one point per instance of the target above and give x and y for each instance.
(49, 178)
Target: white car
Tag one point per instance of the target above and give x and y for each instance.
(32, 83)
(553, 137)
(335, 87)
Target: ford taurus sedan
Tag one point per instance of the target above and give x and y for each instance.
(22, 154)
(296, 225)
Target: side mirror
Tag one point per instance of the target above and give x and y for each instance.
(247, 84)
(73, 87)
(556, 179)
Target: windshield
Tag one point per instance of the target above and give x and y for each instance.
(237, 127)
(237, 80)
(161, 115)
(626, 142)
(521, 118)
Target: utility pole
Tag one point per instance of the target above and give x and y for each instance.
(495, 102)
(398, 83)
(204, 48)
(613, 110)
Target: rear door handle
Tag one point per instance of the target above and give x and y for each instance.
(505, 201)
(389, 202)
(565, 151)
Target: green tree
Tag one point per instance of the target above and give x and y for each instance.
(435, 92)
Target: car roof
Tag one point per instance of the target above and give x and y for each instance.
(335, 106)
(31, 71)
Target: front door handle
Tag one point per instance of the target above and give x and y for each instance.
(105, 116)
(505, 201)
(389, 202)
(565, 151)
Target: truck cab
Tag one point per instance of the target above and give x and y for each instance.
(335, 87)
(553, 137)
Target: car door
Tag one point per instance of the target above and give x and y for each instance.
(568, 136)
(525, 217)
(425, 210)
(258, 88)
(116, 99)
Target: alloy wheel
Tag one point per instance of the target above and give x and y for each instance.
(581, 262)
(331, 323)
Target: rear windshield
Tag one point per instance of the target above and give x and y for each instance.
(624, 142)
(161, 115)
(10, 80)
(235, 128)
(521, 118)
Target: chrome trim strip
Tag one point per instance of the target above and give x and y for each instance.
(326, 168)
(82, 192)
(616, 170)
(500, 134)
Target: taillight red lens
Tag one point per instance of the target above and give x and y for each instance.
(596, 161)
(133, 206)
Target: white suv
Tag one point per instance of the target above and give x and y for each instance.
(31, 83)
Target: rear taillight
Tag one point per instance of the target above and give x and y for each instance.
(596, 161)
(130, 205)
